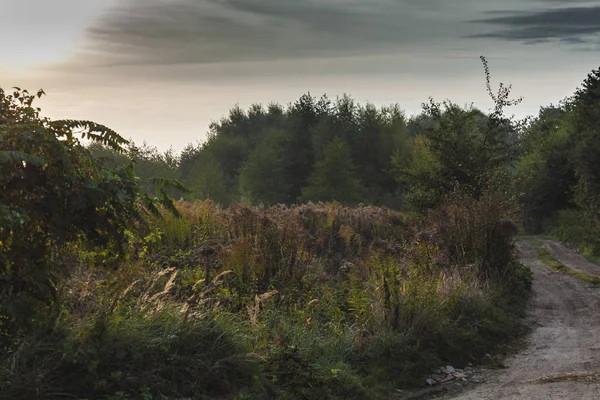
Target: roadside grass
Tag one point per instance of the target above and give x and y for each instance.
(547, 258)
(535, 242)
(568, 227)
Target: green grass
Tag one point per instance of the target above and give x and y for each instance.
(547, 258)
(535, 242)
(589, 255)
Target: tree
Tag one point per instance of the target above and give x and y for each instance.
(230, 151)
(53, 191)
(263, 178)
(586, 120)
(149, 163)
(381, 133)
(207, 181)
(334, 177)
(466, 149)
(545, 176)
(301, 120)
(584, 110)
(187, 158)
(423, 175)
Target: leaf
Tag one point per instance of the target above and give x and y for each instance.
(170, 183)
(11, 157)
(93, 131)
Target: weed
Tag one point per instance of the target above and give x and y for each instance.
(302, 302)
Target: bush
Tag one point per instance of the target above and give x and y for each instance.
(479, 233)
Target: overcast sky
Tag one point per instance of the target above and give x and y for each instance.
(161, 70)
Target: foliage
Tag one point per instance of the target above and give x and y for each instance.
(149, 164)
(294, 302)
(207, 180)
(132, 355)
(55, 192)
(558, 174)
(479, 232)
(276, 154)
(334, 177)
(545, 175)
(269, 156)
(459, 148)
(586, 109)
(263, 178)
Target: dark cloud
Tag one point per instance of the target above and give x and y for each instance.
(176, 32)
(573, 25)
(205, 31)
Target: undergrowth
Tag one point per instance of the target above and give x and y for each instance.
(305, 302)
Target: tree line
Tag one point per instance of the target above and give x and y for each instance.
(557, 176)
(319, 149)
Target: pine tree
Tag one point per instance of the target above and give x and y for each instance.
(207, 180)
(586, 107)
(263, 178)
(334, 177)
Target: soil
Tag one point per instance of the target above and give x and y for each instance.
(561, 358)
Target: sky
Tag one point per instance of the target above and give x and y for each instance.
(161, 70)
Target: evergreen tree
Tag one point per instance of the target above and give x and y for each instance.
(545, 175)
(334, 177)
(302, 118)
(263, 178)
(586, 108)
(207, 180)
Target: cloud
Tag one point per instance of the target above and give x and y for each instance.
(213, 31)
(570, 25)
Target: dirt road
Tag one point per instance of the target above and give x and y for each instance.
(562, 357)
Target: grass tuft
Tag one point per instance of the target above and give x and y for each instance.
(546, 257)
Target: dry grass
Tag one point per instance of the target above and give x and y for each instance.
(312, 298)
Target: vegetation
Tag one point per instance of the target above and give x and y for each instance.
(557, 174)
(321, 250)
(309, 150)
(300, 302)
(547, 258)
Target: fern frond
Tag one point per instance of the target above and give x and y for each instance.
(167, 202)
(170, 183)
(91, 130)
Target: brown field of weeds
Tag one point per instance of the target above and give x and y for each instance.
(311, 301)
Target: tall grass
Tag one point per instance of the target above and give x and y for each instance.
(314, 301)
